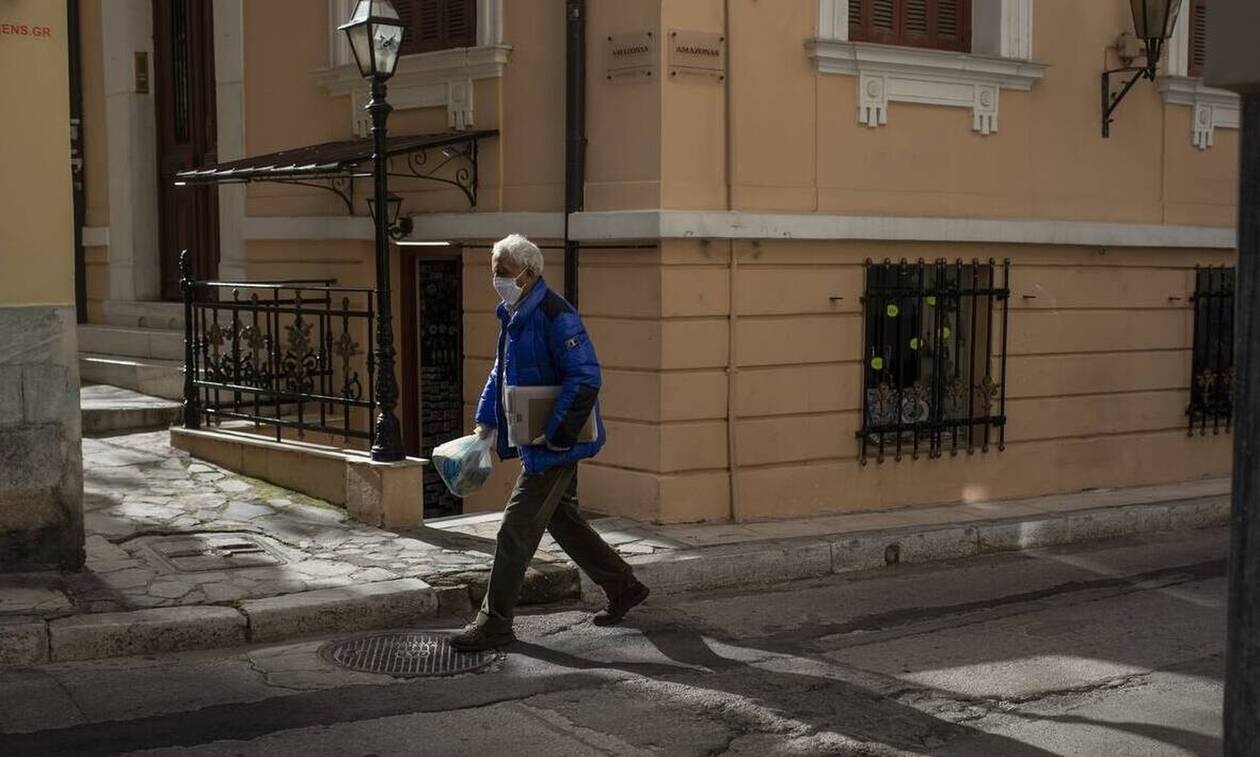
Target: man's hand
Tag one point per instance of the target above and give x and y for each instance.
(541, 441)
(486, 433)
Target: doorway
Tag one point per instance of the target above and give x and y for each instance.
(434, 378)
(183, 68)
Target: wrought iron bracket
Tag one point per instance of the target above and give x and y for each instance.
(1111, 100)
(460, 157)
(341, 185)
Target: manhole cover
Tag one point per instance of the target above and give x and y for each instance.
(404, 653)
(223, 551)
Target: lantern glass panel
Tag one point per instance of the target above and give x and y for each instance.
(1154, 19)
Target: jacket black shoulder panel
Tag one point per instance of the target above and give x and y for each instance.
(553, 306)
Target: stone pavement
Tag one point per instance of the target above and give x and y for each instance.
(182, 554)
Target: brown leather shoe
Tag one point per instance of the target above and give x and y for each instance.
(625, 601)
(478, 638)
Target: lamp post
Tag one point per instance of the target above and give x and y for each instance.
(376, 33)
(1153, 22)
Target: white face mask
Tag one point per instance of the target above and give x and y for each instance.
(508, 289)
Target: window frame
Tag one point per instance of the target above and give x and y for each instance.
(905, 298)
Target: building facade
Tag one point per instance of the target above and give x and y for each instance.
(837, 255)
(41, 470)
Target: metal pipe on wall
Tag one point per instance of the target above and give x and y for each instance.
(732, 364)
(575, 136)
(77, 165)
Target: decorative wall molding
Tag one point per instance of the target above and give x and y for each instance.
(1212, 108)
(632, 225)
(441, 227)
(933, 77)
(667, 224)
(426, 80)
(1001, 49)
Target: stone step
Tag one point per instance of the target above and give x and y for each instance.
(112, 410)
(145, 315)
(162, 344)
(157, 378)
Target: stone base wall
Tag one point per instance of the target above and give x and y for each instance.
(41, 461)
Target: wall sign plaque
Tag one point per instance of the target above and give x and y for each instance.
(630, 57)
(697, 54)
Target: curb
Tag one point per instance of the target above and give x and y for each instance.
(31, 640)
(762, 563)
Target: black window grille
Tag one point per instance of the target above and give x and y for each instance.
(934, 358)
(293, 355)
(1212, 372)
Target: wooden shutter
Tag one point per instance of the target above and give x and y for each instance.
(1198, 37)
(936, 24)
(437, 24)
(461, 23)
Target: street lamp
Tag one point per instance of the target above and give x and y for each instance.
(1153, 22)
(398, 227)
(376, 34)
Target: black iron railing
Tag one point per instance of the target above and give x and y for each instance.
(934, 357)
(293, 354)
(1212, 371)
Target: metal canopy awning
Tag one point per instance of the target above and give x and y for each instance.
(448, 157)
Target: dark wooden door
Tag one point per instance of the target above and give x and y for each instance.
(183, 74)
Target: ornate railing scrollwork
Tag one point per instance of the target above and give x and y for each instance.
(287, 356)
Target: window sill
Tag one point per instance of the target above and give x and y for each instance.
(424, 80)
(917, 75)
(1213, 108)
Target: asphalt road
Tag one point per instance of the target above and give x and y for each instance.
(1111, 649)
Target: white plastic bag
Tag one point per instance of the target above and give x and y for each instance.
(464, 464)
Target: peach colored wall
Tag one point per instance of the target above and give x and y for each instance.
(623, 118)
(693, 117)
(1097, 385)
(798, 146)
(36, 226)
(530, 146)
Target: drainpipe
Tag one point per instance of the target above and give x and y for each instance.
(575, 136)
(76, 155)
(732, 360)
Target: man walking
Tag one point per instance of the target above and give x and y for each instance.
(542, 343)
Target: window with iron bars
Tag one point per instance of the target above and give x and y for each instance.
(1212, 372)
(934, 358)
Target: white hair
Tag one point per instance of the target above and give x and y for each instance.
(521, 251)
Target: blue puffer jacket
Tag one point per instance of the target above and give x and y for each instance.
(543, 343)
